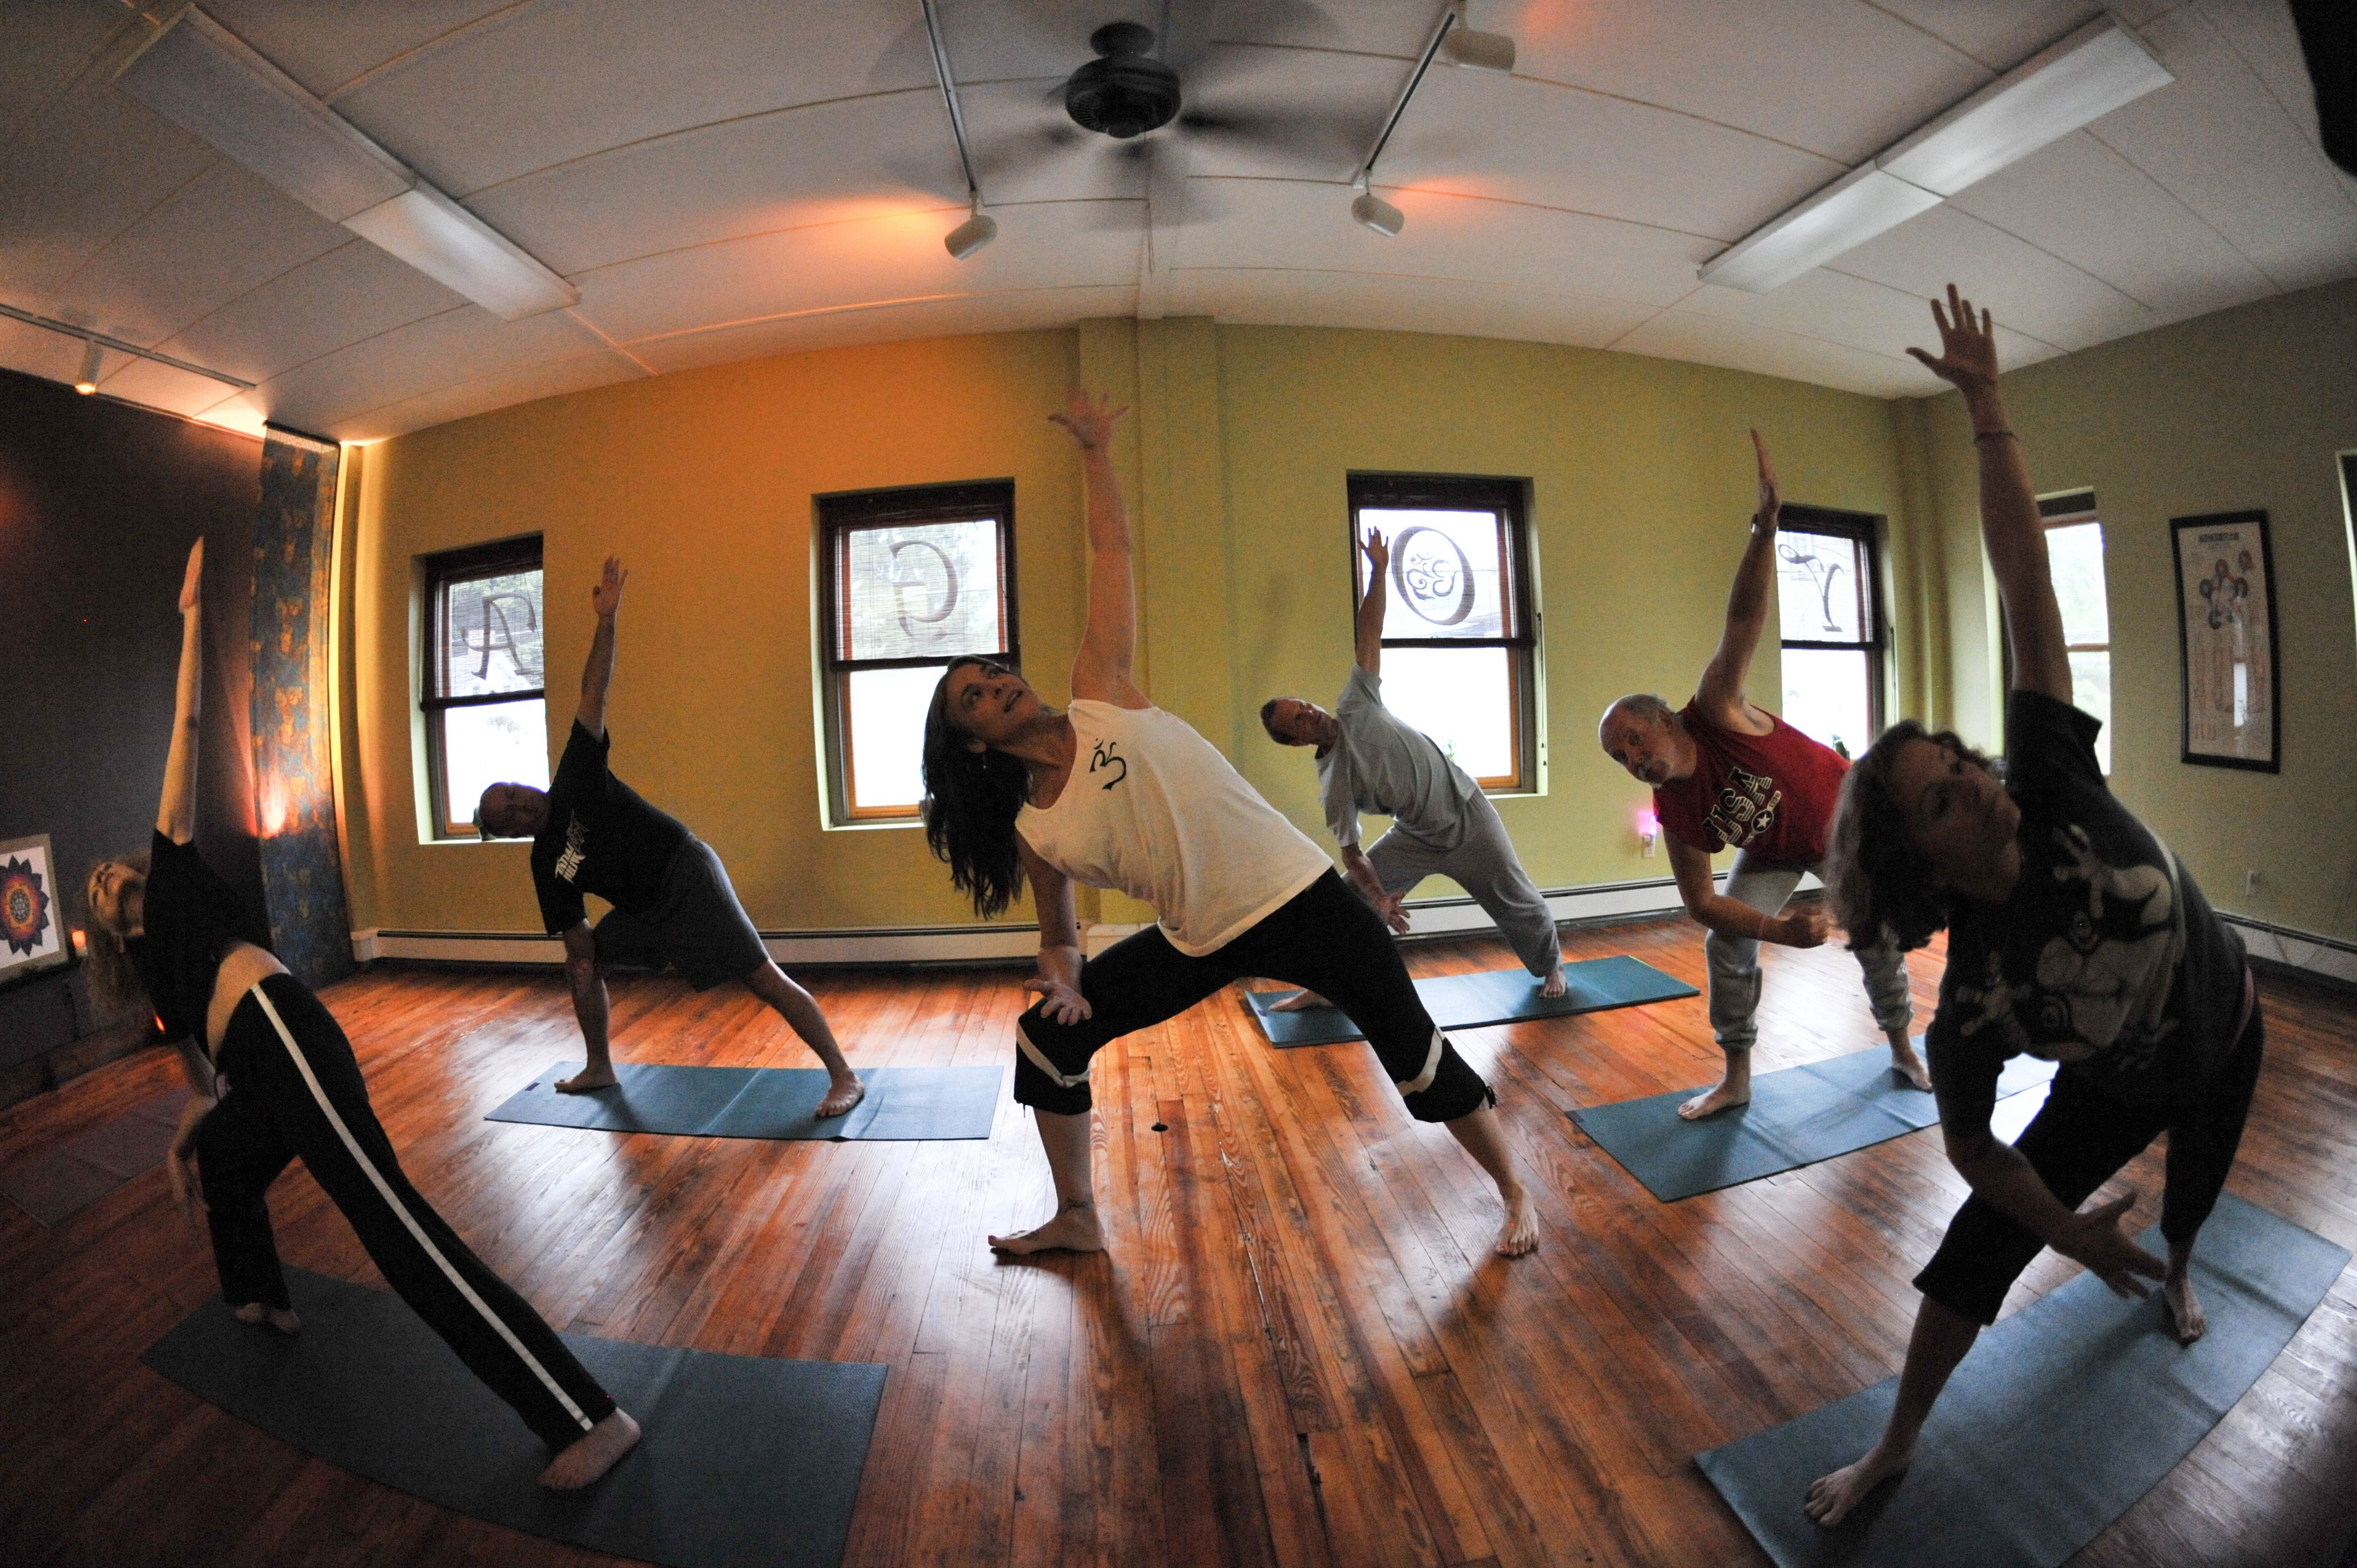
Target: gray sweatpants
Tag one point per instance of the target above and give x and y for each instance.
(1734, 961)
(1485, 865)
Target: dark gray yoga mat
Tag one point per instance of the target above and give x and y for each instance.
(2063, 1416)
(79, 1172)
(1798, 1115)
(745, 1460)
(1471, 1000)
(906, 1103)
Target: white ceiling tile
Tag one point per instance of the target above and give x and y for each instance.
(167, 387)
(219, 238)
(2088, 205)
(1733, 65)
(1446, 305)
(2024, 286)
(2222, 144)
(87, 170)
(1290, 227)
(1839, 309)
(1015, 310)
(289, 34)
(1394, 27)
(548, 377)
(538, 85)
(352, 293)
(36, 351)
(458, 345)
(2001, 34)
(2262, 36)
(49, 43)
(823, 163)
(1739, 346)
(1284, 114)
(873, 261)
(1556, 146)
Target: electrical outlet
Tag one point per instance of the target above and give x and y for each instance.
(1649, 841)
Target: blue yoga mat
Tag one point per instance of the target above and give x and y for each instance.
(906, 1103)
(745, 1461)
(1473, 1001)
(2063, 1416)
(1798, 1115)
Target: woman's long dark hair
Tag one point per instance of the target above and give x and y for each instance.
(971, 802)
(115, 988)
(1875, 878)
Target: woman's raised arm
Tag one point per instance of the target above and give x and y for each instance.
(2010, 529)
(176, 816)
(1101, 668)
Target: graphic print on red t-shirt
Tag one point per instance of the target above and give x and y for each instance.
(1772, 794)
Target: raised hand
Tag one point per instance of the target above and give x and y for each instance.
(2095, 1239)
(192, 585)
(1088, 421)
(1772, 499)
(1063, 1003)
(1378, 552)
(606, 597)
(1967, 345)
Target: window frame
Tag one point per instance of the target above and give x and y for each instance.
(2071, 508)
(1866, 529)
(442, 569)
(847, 512)
(1510, 498)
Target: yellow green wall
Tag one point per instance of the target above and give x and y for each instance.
(2238, 411)
(1236, 456)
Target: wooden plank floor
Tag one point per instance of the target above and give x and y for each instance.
(1299, 1350)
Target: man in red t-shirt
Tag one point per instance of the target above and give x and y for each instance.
(1727, 773)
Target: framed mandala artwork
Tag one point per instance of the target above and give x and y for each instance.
(32, 937)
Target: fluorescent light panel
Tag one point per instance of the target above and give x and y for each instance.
(2061, 89)
(204, 79)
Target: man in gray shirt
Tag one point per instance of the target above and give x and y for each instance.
(1441, 822)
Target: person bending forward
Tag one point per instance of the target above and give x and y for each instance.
(1117, 793)
(2072, 935)
(273, 1079)
(1441, 822)
(672, 898)
(1725, 771)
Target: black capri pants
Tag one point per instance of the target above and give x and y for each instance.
(2078, 1140)
(1325, 937)
(295, 1092)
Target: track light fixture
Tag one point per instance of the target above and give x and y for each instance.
(1465, 46)
(87, 382)
(1375, 213)
(974, 233)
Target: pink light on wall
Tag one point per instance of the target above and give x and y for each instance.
(273, 811)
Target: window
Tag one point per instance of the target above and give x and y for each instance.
(485, 719)
(1458, 643)
(909, 580)
(1828, 604)
(2075, 552)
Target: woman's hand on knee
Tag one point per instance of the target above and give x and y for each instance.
(2095, 1239)
(1061, 1002)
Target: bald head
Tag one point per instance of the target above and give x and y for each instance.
(1641, 733)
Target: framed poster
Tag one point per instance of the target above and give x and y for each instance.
(2226, 640)
(32, 936)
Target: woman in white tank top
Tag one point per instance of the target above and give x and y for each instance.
(1116, 794)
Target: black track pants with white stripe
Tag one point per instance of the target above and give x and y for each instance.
(296, 1093)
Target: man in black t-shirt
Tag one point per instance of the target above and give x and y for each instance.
(671, 899)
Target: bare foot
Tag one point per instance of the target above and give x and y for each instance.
(1521, 1232)
(847, 1092)
(1909, 1066)
(1075, 1229)
(592, 1454)
(1557, 983)
(1832, 1497)
(2186, 1318)
(1299, 1002)
(1715, 1102)
(588, 1079)
(282, 1318)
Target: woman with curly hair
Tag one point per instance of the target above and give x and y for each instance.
(1117, 793)
(274, 1080)
(2074, 935)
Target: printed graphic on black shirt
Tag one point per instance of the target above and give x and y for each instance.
(1103, 757)
(2102, 981)
(1746, 808)
(577, 848)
